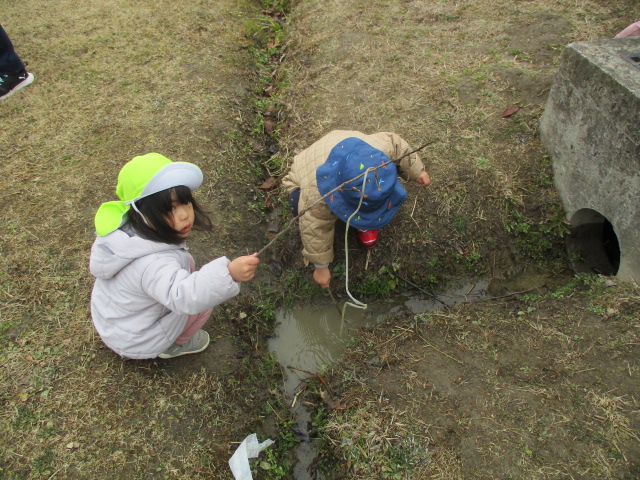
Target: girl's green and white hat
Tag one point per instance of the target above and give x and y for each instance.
(140, 177)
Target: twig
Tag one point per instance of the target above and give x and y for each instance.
(273, 240)
(440, 351)
(507, 295)
(335, 302)
(317, 376)
(295, 398)
(56, 472)
(419, 288)
(391, 339)
(414, 206)
(413, 210)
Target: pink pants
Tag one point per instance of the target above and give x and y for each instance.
(195, 322)
(632, 30)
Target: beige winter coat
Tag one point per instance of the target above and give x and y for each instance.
(318, 224)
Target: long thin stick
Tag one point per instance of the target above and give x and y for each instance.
(419, 288)
(335, 302)
(273, 240)
(440, 351)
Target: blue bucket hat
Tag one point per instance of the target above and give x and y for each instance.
(383, 192)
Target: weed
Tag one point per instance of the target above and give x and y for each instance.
(520, 55)
(368, 284)
(483, 162)
(257, 208)
(527, 311)
(320, 420)
(531, 297)
(275, 462)
(459, 222)
(469, 259)
(577, 283)
(276, 165)
(536, 239)
(576, 258)
(296, 285)
(25, 419)
(266, 309)
(42, 464)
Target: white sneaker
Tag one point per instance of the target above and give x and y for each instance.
(196, 344)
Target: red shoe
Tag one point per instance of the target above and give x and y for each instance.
(367, 238)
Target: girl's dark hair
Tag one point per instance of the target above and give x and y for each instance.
(157, 208)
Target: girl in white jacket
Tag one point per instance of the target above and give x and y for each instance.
(148, 301)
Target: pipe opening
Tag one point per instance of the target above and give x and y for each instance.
(592, 244)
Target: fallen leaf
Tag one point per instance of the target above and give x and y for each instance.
(510, 111)
(269, 125)
(73, 445)
(331, 402)
(268, 204)
(269, 184)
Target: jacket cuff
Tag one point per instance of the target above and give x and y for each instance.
(319, 259)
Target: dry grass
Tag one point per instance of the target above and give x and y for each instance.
(490, 393)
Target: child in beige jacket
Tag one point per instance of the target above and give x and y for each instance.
(334, 159)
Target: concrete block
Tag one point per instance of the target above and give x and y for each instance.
(591, 130)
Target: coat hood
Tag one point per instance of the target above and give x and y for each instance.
(113, 252)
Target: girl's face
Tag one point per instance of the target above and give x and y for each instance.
(181, 217)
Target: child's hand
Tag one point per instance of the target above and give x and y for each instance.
(322, 276)
(423, 180)
(242, 269)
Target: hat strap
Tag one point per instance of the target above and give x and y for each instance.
(133, 204)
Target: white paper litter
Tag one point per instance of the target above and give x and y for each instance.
(249, 448)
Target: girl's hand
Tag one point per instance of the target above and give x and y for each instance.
(243, 269)
(423, 180)
(322, 276)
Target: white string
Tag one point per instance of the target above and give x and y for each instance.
(355, 303)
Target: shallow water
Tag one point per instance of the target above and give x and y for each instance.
(311, 338)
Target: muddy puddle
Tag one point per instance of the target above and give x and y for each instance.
(308, 339)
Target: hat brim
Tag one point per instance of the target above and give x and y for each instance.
(173, 175)
(343, 207)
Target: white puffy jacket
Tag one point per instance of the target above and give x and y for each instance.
(144, 292)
